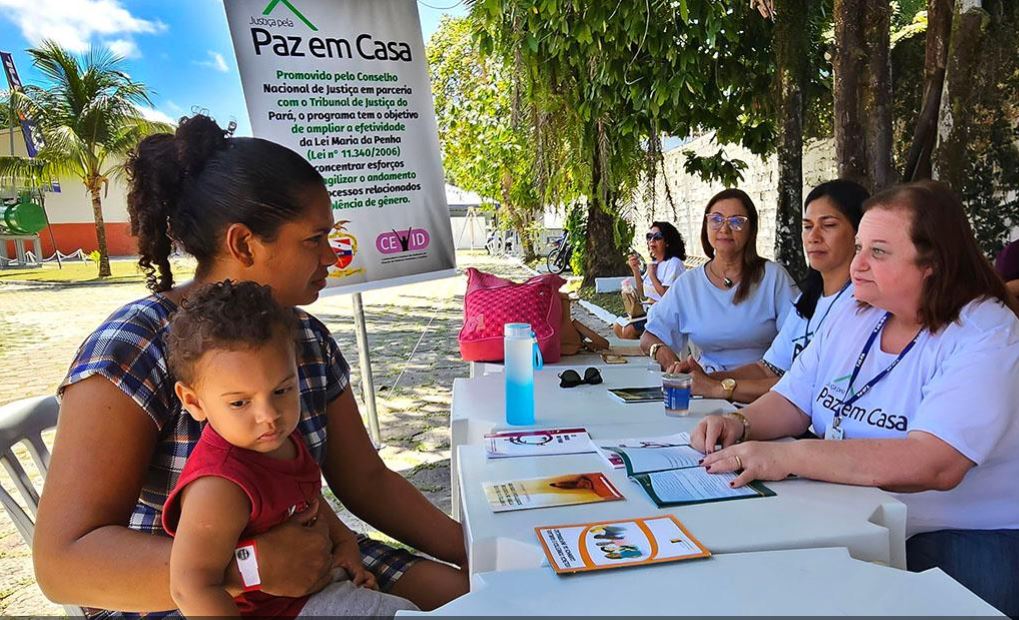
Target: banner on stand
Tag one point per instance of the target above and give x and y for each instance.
(345, 84)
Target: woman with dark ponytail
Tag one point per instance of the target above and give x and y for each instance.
(831, 216)
(247, 210)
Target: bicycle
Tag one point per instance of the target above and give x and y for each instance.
(558, 259)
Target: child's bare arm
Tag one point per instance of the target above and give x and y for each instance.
(214, 513)
(346, 551)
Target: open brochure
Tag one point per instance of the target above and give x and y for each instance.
(614, 544)
(538, 442)
(565, 490)
(672, 477)
(607, 446)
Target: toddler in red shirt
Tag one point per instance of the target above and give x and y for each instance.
(231, 349)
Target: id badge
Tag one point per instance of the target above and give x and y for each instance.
(835, 431)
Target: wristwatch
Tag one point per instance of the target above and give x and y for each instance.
(746, 425)
(729, 385)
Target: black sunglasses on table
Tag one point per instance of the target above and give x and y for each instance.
(571, 378)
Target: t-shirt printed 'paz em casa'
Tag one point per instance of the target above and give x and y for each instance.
(959, 385)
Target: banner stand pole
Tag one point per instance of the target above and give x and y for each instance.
(367, 382)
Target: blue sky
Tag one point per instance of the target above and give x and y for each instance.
(179, 48)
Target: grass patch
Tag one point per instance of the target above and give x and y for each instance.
(613, 302)
(87, 273)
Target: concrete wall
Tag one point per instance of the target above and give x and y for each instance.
(691, 195)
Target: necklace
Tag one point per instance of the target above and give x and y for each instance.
(726, 280)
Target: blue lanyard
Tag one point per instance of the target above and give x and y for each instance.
(806, 328)
(806, 337)
(853, 397)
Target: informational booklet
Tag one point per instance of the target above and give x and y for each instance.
(615, 544)
(638, 394)
(538, 442)
(566, 490)
(607, 446)
(672, 477)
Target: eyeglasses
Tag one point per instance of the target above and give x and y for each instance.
(571, 378)
(736, 222)
(654, 236)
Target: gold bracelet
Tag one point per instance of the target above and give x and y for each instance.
(746, 425)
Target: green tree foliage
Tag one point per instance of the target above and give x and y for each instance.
(88, 116)
(611, 77)
(483, 149)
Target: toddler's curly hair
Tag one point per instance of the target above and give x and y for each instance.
(225, 315)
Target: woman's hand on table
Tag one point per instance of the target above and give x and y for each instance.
(702, 383)
(756, 460)
(295, 557)
(713, 430)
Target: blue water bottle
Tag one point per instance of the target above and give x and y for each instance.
(521, 356)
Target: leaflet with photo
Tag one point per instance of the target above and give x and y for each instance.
(616, 544)
(672, 477)
(538, 442)
(549, 491)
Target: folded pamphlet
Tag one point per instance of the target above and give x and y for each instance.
(631, 395)
(538, 442)
(549, 491)
(615, 544)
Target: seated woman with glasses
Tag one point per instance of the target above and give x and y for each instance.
(913, 389)
(731, 307)
(668, 251)
(830, 219)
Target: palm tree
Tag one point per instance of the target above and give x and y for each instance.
(89, 119)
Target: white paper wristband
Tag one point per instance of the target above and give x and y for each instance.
(247, 563)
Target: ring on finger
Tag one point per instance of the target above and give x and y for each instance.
(739, 462)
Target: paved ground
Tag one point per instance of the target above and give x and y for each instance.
(412, 336)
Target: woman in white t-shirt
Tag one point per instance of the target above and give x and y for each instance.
(830, 219)
(668, 251)
(729, 308)
(915, 390)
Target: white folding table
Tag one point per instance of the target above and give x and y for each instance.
(803, 582)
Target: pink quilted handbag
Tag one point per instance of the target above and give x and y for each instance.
(491, 302)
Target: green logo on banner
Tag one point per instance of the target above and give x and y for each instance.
(272, 5)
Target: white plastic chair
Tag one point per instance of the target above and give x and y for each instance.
(23, 422)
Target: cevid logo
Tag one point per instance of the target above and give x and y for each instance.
(269, 8)
(410, 240)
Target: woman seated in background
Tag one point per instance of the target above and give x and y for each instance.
(732, 306)
(830, 219)
(914, 390)
(668, 251)
(1007, 266)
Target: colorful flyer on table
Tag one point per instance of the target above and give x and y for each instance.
(567, 490)
(608, 447)
(538, 442)
(614, 544)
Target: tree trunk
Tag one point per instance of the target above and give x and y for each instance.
(791, 59)
(520, 218)
(601, 256)
(97, 215)
(863, 92)
(969, 24)
(939, 29)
